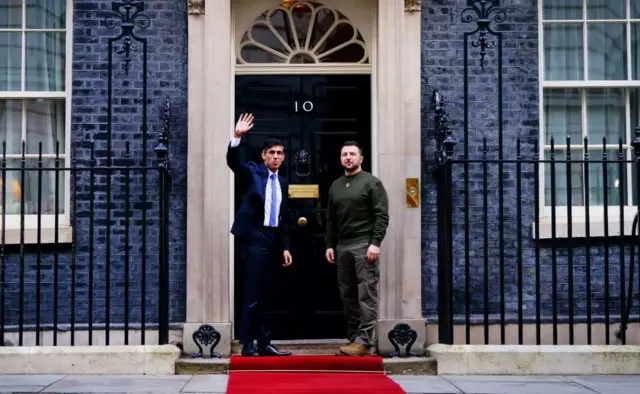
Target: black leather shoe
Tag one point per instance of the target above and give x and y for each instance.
(248, 351)
(271, 350)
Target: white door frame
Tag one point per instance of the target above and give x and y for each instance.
(395, 56)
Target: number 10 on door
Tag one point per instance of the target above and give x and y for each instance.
(307, 106)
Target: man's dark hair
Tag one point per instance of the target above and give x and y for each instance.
(352, 143)
(270, 143)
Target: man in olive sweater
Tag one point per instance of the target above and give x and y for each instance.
(357, 220)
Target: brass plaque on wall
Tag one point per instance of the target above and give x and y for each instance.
(304, 191)
(412, 193)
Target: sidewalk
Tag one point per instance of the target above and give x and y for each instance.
(411, 384)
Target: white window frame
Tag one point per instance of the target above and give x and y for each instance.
(48, 225)
(596, 212)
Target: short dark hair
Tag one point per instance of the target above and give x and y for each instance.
(270, 143)
(352, 143)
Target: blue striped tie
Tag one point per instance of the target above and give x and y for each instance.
(274, 198)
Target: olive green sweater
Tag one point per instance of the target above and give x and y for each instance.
(357, 210)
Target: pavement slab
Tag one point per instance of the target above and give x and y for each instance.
(516, 384)
(620, 384)
(119, 384)
(27, 383)
(412, 384)
(207, 384)
(425, 384)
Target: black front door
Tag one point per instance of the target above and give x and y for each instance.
(312, 116)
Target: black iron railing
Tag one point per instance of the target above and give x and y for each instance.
(84, 246)
(538, 241)
(564, 260)
(88, 259)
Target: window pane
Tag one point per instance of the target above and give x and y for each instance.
(46, 14)
(10, 14)
(301, 14)
(562, 9)
(11, 62)
(351, 53)
(11, 125)
(606, 9)
(262, 34)
(607, 51)
(16, 185)
(45, 61)
(324, 22)
(12, 189)
(253, 54)
(635, 50)
(615, 185)
(635, 9)
(45, 123)
(606, 115)
(634, 99)
(561, 180)
(562, 115)
(634, 182)
(563, 52)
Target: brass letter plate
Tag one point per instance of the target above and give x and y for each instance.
(413, 193)
(304, 191)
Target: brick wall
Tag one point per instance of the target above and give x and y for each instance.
(167, 77)
(442, 69)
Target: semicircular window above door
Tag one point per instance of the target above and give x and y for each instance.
(302, 32)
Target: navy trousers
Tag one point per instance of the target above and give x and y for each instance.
(262, 258)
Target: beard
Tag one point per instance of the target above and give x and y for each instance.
(354, 167)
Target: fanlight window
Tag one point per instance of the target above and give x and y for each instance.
(302, 32)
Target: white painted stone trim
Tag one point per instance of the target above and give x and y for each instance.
(579, 227)
(310, 69)
(47, 235)
(89, 360)
(536, 360)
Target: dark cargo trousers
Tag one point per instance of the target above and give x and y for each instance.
(358, 285)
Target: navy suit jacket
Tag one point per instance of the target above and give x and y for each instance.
(249, 219)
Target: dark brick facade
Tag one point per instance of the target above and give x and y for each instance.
(167, 77)
(442, 69)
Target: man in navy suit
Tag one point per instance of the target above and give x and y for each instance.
(261, 228)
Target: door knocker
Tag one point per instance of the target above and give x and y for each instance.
(303, 158)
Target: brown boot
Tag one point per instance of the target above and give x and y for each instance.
(354, 349)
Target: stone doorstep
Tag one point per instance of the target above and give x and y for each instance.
(307, 346)
(536, 360)
(399, 366)
(300, 347)
(392, 366)
(89, 360)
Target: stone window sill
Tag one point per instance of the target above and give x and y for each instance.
(579, 226)
(47, 236)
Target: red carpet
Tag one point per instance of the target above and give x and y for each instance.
(309, 375)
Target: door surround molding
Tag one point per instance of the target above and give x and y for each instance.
(394, 48)
(307, 69)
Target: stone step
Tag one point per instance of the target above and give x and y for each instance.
(302, 347)
(396, 366)
(392, 366)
